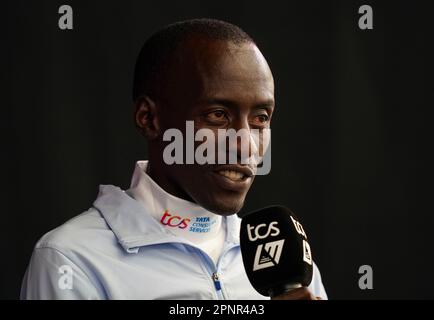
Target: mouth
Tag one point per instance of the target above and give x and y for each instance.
(233, 177)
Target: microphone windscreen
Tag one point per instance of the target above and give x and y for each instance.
(275, 251)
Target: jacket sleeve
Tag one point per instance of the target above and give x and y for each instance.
(52, 276)
(316, 286)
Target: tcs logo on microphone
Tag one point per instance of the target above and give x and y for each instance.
(174, 221)
(272, 230)
(267, 254)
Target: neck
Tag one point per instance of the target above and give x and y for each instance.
(158, 174)
(180, 216)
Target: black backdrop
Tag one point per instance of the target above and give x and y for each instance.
(351, 138)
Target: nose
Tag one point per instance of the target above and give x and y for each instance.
(244, 146)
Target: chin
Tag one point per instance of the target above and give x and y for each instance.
(225, 208)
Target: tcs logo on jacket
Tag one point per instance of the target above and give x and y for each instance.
(174, 221)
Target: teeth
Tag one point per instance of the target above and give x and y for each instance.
(233, 175)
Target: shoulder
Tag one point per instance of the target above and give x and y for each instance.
(81, 232)
(317, 285)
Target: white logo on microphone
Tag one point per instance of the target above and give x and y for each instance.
(268, 255)
(272, 231)
(298, 227)
(307, 255)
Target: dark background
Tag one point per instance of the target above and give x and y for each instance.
(351, 133)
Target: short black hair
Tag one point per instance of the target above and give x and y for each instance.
(161, 45)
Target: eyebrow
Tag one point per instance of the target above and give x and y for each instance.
(267, 104)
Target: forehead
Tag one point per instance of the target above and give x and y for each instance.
(216, 68)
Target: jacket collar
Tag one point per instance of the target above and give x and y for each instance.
(134, 227)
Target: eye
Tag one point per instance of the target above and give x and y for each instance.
(217, 115)
(261, 119)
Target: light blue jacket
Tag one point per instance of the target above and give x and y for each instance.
(116, 250)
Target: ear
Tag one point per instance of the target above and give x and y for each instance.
(146, 118)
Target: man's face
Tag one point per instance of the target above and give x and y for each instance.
(218, 85)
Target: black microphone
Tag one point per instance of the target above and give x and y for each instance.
(276, 255)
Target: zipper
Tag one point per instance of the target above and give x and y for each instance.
(212, 268)
(215, 276)
(216, 280)
(217, 286)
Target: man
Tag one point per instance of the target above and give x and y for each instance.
(174, 234)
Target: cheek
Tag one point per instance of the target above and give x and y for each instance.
(265, 141)
(260, 141)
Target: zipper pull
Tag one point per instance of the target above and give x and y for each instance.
(216, 280)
